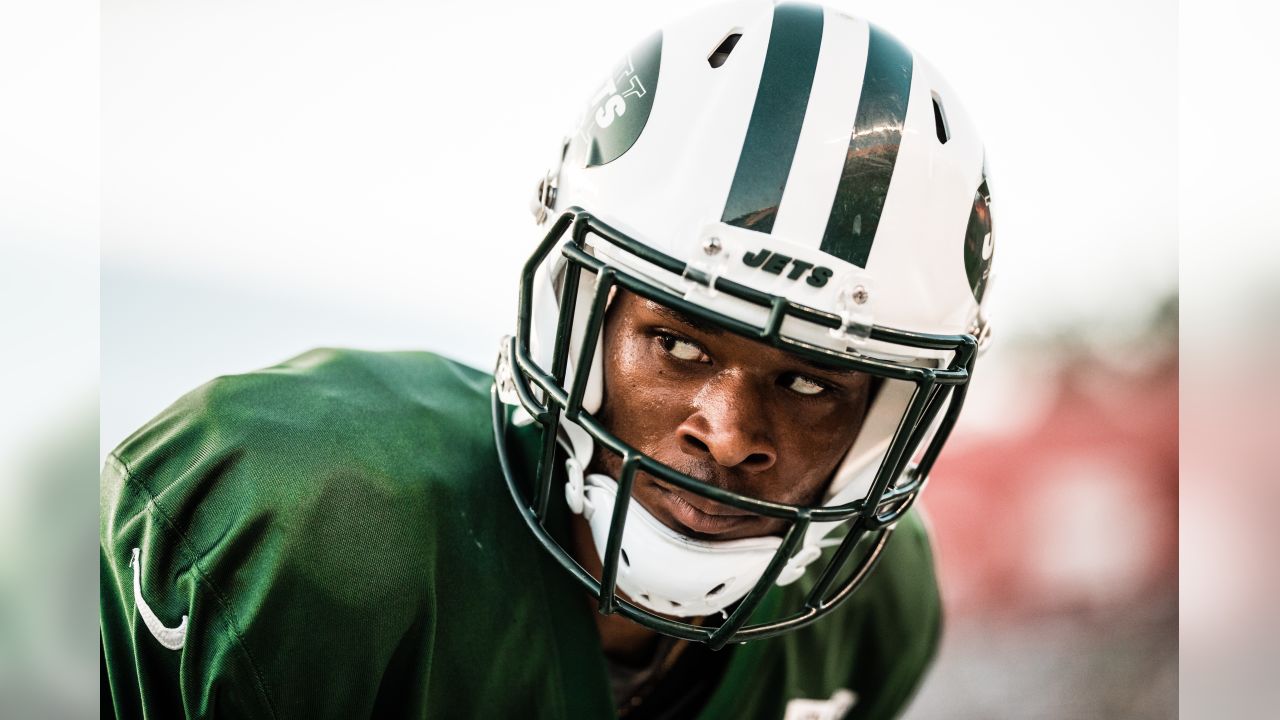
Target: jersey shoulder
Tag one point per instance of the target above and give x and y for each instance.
(319, 444)
(320, 406)
(289, 512)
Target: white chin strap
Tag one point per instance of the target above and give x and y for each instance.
(667, 572)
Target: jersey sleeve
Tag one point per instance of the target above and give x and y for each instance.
(259, 557)
(155, 661)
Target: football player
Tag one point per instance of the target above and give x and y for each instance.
(744, 333)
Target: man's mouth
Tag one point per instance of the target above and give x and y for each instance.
(705, 520)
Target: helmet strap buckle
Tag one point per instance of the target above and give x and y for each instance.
(575, 493)
(795, 567)
(502, 375)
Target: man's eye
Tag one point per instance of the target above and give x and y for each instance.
(682, 349)
(805, 386)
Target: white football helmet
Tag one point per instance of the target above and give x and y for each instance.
(792, 174)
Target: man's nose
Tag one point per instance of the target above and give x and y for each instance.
(729, 423)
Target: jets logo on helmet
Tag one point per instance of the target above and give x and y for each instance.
(617, 112)
(790, 174)
(772, 262)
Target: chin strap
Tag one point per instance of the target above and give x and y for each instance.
(666, 571)
(798, 563)
(670, 573)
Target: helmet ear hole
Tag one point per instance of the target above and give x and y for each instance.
(625, 560)
(721, 53)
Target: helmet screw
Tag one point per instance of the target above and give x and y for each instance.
(711, 245)
(860, 295)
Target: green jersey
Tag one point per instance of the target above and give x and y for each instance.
(332, 537)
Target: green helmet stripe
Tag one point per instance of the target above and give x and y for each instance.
(774, 129)
(873, 150)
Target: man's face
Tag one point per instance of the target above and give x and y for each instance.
(729, 411)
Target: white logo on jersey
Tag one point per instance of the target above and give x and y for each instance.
(833, 708)
(172, 638)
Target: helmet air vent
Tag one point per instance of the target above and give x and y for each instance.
(940, 120)
(721, 53)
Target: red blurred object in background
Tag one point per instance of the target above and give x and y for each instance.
(1054, 512)
(1076, 510)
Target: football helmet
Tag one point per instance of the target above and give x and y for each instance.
(791, 174)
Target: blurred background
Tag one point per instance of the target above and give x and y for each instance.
(49, 459)
(1229, 191)
(280, 175)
